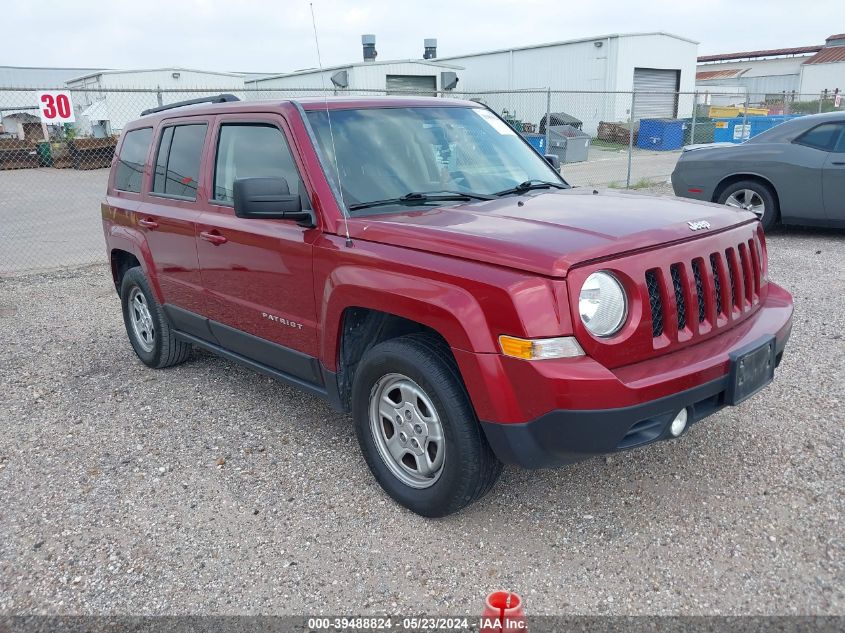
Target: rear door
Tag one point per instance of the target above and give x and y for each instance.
(257, 273)
(833, 182)
(168, 216)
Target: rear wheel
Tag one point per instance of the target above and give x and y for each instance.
(417, 429)
(754, 196)
(146, 325)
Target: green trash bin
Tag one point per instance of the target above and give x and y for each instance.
(45, 154)
(705, 128)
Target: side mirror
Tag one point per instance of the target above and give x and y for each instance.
(268, 198)
(553, 160)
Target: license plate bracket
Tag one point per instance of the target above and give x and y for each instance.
(752, 368)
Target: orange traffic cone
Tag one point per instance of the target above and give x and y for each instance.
(503, 613)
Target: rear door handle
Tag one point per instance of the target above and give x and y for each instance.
(839, 162)
(214, 237)
(148, 223)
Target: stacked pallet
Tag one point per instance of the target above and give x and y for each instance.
(616, 132)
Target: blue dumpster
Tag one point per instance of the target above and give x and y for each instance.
(538, 142)
(736, 131)
(661, 134)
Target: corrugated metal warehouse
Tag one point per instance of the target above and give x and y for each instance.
(422, 76)
(656, 62)
(805, 70)
(103, 112)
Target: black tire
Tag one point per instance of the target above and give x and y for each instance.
(164, 349)
(771, 213)
(470, 468)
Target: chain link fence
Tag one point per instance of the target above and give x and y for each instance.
(53, 177)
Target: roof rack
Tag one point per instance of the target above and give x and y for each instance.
(221, 98)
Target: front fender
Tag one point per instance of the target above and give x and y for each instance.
(451, 311)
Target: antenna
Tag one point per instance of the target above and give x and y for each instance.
(331, 132)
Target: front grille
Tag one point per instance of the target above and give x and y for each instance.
(655, 302)
(717, 282)
(697, 285)
(699, 289)
(680, 302)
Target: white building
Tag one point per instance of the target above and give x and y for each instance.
(19, 107)
(655, 64)
(804, 72)
(105, 101)
(391, 77)
(825, 71)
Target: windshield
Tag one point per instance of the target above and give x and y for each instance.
(387, 153)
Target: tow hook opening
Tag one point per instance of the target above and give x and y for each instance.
(679, 423)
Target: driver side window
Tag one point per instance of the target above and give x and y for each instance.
(247, 150)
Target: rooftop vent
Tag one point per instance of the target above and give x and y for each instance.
(430, 45)
(369, 43)
(835, 40)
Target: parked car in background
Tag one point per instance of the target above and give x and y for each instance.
(415, 262)
(793, 173)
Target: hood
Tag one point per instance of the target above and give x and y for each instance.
(550, 232)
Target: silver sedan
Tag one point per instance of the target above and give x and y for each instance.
(793, 173)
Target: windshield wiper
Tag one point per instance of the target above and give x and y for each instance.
(528, 185)
(419, 197)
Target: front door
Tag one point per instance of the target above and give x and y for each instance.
(833, 183)
(257, 273)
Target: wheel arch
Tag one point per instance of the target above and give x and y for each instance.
(727, 181)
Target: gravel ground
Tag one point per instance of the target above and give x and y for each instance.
(208, 488)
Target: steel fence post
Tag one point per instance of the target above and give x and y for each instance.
(694, 116)
(630, 139)
(548, 117)
(745, 119)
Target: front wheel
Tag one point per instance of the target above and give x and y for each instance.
(417, 429)
(754, 196)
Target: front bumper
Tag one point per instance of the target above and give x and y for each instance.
(565, 435)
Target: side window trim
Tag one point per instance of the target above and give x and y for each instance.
(120, 161)
(259, 122)
(172, 125)
(834, 145)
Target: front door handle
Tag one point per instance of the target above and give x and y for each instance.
(839, 162)
(148, 223)
(214, 237)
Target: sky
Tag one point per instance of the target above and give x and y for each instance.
(277, 35)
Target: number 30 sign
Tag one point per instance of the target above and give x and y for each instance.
(55, 106)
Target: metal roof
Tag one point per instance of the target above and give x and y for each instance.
(153, 70)
(565, 42)
(709, 75)
(829, 55)
(774, 52)
(311, 71)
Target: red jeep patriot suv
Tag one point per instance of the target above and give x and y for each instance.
(418, 264)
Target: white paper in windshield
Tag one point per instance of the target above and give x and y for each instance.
(500, 126)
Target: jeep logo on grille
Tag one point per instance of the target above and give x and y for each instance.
(698, 225)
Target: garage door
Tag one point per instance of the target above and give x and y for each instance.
(417, 84)
(655, 88)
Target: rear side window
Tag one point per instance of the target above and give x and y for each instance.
(133, 155)
(178, 161)
(251, 151)
(823, 137)
(840, 148)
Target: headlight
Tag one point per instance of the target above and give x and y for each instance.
(602, 304)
